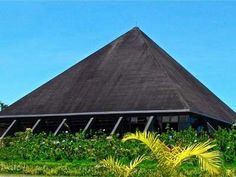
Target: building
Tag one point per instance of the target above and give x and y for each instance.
(129, 84)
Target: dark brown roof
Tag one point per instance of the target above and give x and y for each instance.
(132, 73)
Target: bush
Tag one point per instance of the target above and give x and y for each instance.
(185, 137)
(35, 151)
(226, 140)
(67, 147)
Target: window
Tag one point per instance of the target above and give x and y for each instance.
(170, 122)
(134, 120)
(170, 119)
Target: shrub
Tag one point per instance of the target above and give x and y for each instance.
(226, 140)
(27, 147)
(67, 147)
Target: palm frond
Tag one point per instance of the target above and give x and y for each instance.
(119, 169)
(133, 164)
(159, 150)
(209, 161)
(114, 165)
(149, 139)
(169, 159)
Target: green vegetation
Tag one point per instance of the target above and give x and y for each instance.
(2, 106)
(78, 155)
(120, 169)
(169, 159)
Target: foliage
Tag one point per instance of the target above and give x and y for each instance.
(67, 147)
(90, 169)
(170, 158)
(120, 169)
(35, 151)
(3, 106)
(226, 140)
(49, 169)
(184, 138)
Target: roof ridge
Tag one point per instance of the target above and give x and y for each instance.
(196, 81)
(156, 60)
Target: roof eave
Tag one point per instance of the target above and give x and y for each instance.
(16, 116)
(95, 113)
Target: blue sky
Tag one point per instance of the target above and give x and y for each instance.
(39, 40)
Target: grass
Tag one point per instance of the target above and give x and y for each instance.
(15, 175)
(74, 166)
(23, 175)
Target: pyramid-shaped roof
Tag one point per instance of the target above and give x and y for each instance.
(132, 73)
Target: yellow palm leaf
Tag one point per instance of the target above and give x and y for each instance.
(149, 139)
(169, 159)
(122, 170)
(114, 166)
(158, 148)
(209, 161)
(133, 164)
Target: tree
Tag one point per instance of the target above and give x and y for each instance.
(2, 106)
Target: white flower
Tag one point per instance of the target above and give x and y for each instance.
(195, 141)
(56, 142)
(228, 147)
(66, 131)
(109, 137)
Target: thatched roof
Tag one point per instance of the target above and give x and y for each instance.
(132, 73)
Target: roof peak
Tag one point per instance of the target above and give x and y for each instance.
(136, 28)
